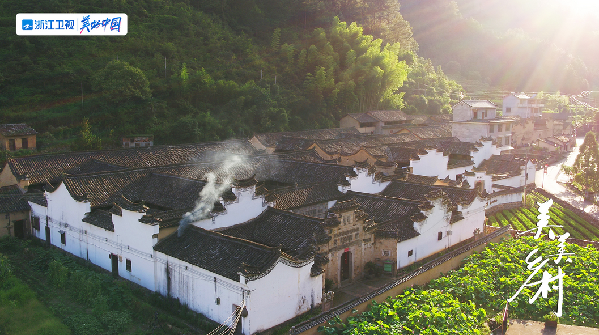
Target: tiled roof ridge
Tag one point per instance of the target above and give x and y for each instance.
(152, 148)
(378, 196)
(233, 238)
(292, 214)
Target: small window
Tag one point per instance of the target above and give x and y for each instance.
(499, 141)
(440, 236)
(128, 265)
(492, 128)
(63, 237)
(410, 253)
(508, 110)
(475, 115)
(386, 253)
(24, 143)
(508, 127)
(35, 223)
(499, 128)
(11, 144)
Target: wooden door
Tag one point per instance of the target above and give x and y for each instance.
(346, 265)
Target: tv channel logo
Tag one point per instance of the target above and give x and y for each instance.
(27, 24)
(68, 24)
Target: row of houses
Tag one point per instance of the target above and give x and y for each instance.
(287, 221)
(257, 227)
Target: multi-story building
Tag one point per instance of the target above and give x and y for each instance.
(522, 105)
(476, 119)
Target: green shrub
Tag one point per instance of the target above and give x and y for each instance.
(84, 324)
(58, 274)
(116, 322)
(5, 269)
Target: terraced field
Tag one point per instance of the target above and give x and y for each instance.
(525, 218)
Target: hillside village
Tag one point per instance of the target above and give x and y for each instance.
(270, 221)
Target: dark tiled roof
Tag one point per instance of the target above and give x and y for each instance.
(93, 166)
(389, 116)
(169, 218)
(292, 143)
(363, 117)
(420, 192)
(507, 165)
(402, 154)
(100, 189)
(436, 131)
(19, 129)
(12, 199)
(418, 179)
(271, 139)
(224, 255)
(295, 172)
(302, 155)
(439, 119)
(165, 191)
(394, 217)
(48, 168)
(304, 195)
(99, 218)
(297, 235)
(458, 148)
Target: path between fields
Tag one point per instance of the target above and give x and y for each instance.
(553, 182)
(526, 327)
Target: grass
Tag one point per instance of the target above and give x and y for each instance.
(21, 312)
(82, 298)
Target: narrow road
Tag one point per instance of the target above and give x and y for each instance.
(553, 182)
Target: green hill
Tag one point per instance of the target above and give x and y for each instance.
(213, 70)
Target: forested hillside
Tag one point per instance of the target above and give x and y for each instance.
(207, 70)
(512, 45)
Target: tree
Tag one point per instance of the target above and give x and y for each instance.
(87, 140)
(586, 165)
(120, 82)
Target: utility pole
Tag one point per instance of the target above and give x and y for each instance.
(165, 67)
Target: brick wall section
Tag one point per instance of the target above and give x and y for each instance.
(588, 217)
(420, 276)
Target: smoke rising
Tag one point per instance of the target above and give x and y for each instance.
(213, 190)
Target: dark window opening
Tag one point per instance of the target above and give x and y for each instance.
(440, 236)
(11, 144)
(410, 253)
(24, 143)
(63, 238)
(35, 223)
(128, 265)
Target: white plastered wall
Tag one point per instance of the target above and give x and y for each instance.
(246, 207)
(365, 183)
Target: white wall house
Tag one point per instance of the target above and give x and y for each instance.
(126, 248)
(437, 232)
(476, 119)
(124, 241)
(522, 105)
(246, 206)
(214, 273)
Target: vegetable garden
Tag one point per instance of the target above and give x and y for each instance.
(463, 300)
(525, 218)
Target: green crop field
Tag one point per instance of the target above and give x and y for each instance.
(525, 218)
